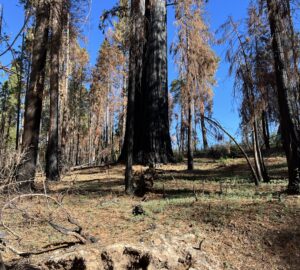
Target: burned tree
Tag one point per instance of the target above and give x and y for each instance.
(34, 95)
(155, 146)
(287, 91)
(52, 154)
(152, 141)
(135, 77)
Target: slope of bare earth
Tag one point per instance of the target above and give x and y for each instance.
(211, 218)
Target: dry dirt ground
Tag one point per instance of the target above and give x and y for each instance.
(239, 225)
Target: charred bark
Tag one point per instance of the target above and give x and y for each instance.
(52, 153)
(5, 89)
(134, 85)
(204, 131)
(289, 117)
(266, 131)
(152, 141)
(34, 96)
(182, 131)
(65, 52)
(156, 146)
(20, 86)
(190, 154)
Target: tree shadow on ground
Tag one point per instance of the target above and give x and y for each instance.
(109, 179)
(97, 169)
(219, 173)
(96, 187)
(223, 172)
(277, 171)
(285, 244)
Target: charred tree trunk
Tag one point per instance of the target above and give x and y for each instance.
(259, 161)
(204, 131)
(152, 141)
(156, 146)
(34, 96)
(182, 131)
(190, 154)
(52, 153)
(134, 84)
(289, 117)
(106, 124)
(178, 136)
(77, 157)
(265, 127)
(19, 94)
(65, 87)
(71, 149)
(3, 112)
(7, 136)
(195, 135)
(89, 147)
(78, 130)
(112, 134)
(122, 117)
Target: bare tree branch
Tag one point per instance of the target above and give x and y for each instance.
(17, 36)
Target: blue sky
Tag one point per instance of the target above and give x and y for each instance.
(225, 110)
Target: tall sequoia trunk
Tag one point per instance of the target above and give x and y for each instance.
(152, 141)
(156, 145)
(34, 96)
(134, 84)
(52, 153)
(289, 118)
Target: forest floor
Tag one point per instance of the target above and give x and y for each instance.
(240, 225)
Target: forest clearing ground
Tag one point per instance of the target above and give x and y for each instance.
(244, 227)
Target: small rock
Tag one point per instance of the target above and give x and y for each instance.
(157, 242)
